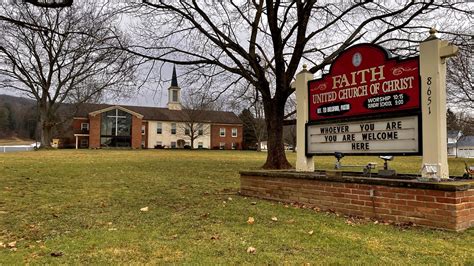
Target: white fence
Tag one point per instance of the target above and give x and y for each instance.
(14, 148)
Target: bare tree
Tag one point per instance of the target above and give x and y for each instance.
(289, 136)
(71, 59)
(50, 3)
(263, 42)
(195, 116)
(460, 79)
(255, 119)
(289, 133)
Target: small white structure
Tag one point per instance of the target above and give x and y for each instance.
(263, 145)
(453, 137)
(465, 147)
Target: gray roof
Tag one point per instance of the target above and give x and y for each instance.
(164, 114)
(466, 141)
(453, 133)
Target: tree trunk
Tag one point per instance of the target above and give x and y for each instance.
(274, 115)
(46, 126)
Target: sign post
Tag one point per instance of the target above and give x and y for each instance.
(433, 54)
(304, 163)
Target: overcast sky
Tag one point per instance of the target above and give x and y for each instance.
(151, 93)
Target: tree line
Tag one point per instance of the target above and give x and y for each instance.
(228, 49)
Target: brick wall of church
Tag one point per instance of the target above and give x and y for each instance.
(94, 132)
(227, 140)
(136, 132)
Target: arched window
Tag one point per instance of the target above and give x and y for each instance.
(116, 129)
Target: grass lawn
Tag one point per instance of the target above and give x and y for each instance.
(86, 205)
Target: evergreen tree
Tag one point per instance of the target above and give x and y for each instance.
(451, 120)
(3, 120)
(10, 118)
(249, 138)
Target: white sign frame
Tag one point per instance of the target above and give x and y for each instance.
(410, 138)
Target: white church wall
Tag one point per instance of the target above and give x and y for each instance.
(166, 138)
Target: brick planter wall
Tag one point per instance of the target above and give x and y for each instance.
(448, 205)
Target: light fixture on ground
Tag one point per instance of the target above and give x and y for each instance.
(386, 172)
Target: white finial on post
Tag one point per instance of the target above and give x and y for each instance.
(303, 163)
(433, 52)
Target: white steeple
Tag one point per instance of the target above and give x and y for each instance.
(174, 93)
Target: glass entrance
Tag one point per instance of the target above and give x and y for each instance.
(116, 128)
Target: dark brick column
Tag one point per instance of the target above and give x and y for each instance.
(94, 131)
(136, 132)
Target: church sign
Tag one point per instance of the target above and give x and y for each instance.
(394, 135)
(368, 103)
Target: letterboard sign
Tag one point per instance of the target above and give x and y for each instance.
(362, 81)
(368, 103)
(381, 136)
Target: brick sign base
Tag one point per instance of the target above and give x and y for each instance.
(447, 205)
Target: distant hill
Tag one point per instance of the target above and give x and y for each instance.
(4, 98)
(17, 117)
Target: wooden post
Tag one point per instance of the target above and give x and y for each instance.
(433, 54)
(303, 163)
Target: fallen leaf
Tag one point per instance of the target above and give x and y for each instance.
(274, 219)
(253, 203)
(251, 220)
(251, 250)
(376, 222)
(109, 223)
(215, 237)
(2, 245)
(310, 232)
(57, 253)
(144, 209)
(229, 199)
(290, 221)
(112, 229)
(11, 244)
(174, 236)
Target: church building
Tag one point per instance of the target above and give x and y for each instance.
(114, 126)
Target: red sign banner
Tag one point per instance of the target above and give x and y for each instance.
(362, 81)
